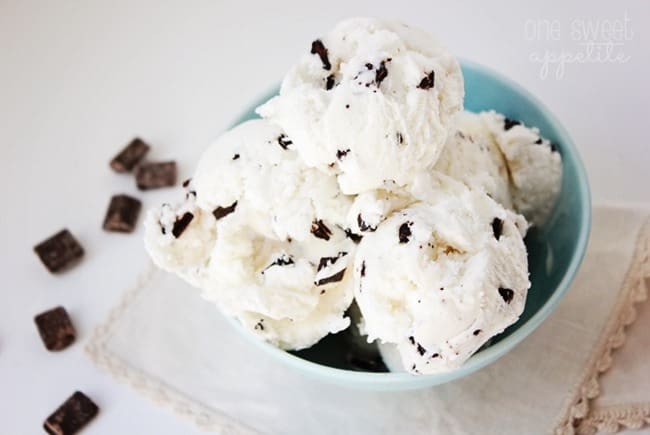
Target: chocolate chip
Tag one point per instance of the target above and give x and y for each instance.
(428, 81)
(497, 228)
(186, 182)
(338, 276)
(329, 82)
(122, 214)
(284, 141)
(347, 106)
(477, 332)
(363, 226)
(72, 416)
(356, 238)
(317, 47)
(369, 66)
(400, 138)
(363, 268)
(259, 325)
(554, 147)
(421, 350)
(412, 340)
(235, 157)
(55, 328)
(181, 224)
(155, 175)
(506, 294)
(221, 212)
(130, 156)
(59, 251)
(381, 73)
(320, 230)
(328, 261)
(405, 232)
(284, 260)
(538, 141)
(342, 153)
(509, 123)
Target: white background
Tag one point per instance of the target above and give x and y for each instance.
(79, 79)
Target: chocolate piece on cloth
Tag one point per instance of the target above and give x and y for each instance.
(122, 214)
(55, 328)
(130, 156)
(155, 175)
(60, 251)
(72, 416)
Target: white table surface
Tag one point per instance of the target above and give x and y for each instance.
(78, 79)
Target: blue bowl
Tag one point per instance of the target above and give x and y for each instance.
(555, 250)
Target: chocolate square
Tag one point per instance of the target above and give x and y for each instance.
(59, 251)
(55, 328)
(130, 156)
(155, 175)
(72, 416)
(122, 214)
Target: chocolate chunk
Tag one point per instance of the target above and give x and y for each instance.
(506, 294)
(347, 106)
(220, 212)
(59, 251)
(356, 238)
(317, 47)
(477, 332)
(405, 232)
(381, 73)
(329, 82)
(235, 157)
(412, 340)
(186, 183)
(72, 416)
(363, 226)
(400, 138)
(428, 81)
(155, 175)
(181, 224)
(342, 153)
(328, 261)
(284, 141)
(284, 260)
(320, 230)
(554, 148)
(363, 268)
(497, 228)
(259, 325)
(509, 123)
(369, 66)
(55, 328)
(334, 278)
(122, 214)
(538, 141)
(435, 355)
(421, 350)
(130, 156)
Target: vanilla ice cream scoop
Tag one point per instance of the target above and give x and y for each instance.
(372, 101)
(439, 279)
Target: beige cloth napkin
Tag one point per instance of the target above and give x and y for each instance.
(175, 348)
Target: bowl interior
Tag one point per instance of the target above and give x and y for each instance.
(554, 250)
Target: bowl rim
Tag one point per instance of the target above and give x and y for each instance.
(492, 353)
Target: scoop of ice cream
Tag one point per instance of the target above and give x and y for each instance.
(372, 101)
(439, 279)
(254, 168)
(263, 236)
(534, 163)
(472, 156)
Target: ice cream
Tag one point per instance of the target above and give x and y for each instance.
(266, 240)
(371, 102)
(439, 279)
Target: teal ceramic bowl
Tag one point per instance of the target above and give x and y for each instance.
(555, 251)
